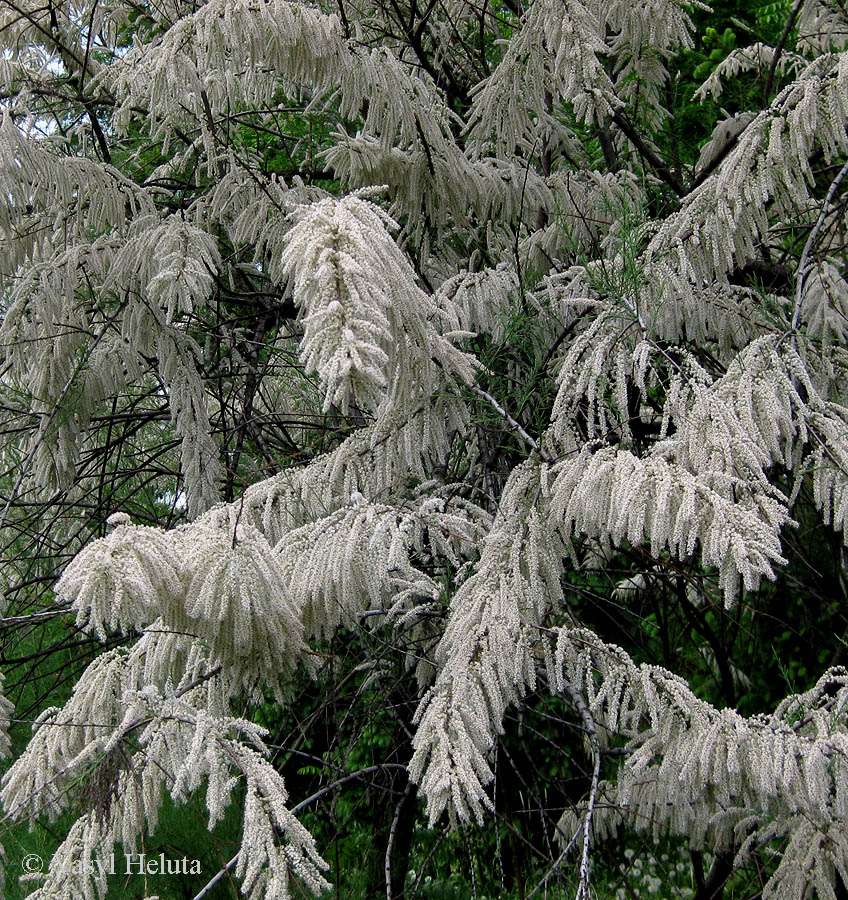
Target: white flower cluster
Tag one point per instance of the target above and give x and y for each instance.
(224, 586)
(124, 579)
(510, 104)
(162, 270)
(643, 445)
(744, 59)
(173, 261)
(484, 658)
(182, 747)
(348, 337)
(360, 557)
(286, 41)
(372, 335)
(713, 775)
(615, 495)
(765, 174)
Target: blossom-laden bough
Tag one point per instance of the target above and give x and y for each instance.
(321, 322)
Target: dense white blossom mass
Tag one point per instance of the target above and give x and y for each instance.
(689, 408)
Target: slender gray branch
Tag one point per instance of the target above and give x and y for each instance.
(803, 265)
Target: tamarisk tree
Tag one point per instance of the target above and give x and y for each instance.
(478, 326)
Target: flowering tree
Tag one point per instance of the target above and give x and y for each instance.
(428, 321)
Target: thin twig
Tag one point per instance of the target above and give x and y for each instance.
(802, 265)
(410, 787)
(556, 864)
(778, 50)
(514, 425)
(32, 617)
(583, 888)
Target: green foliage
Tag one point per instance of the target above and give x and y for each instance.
(716, 46)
